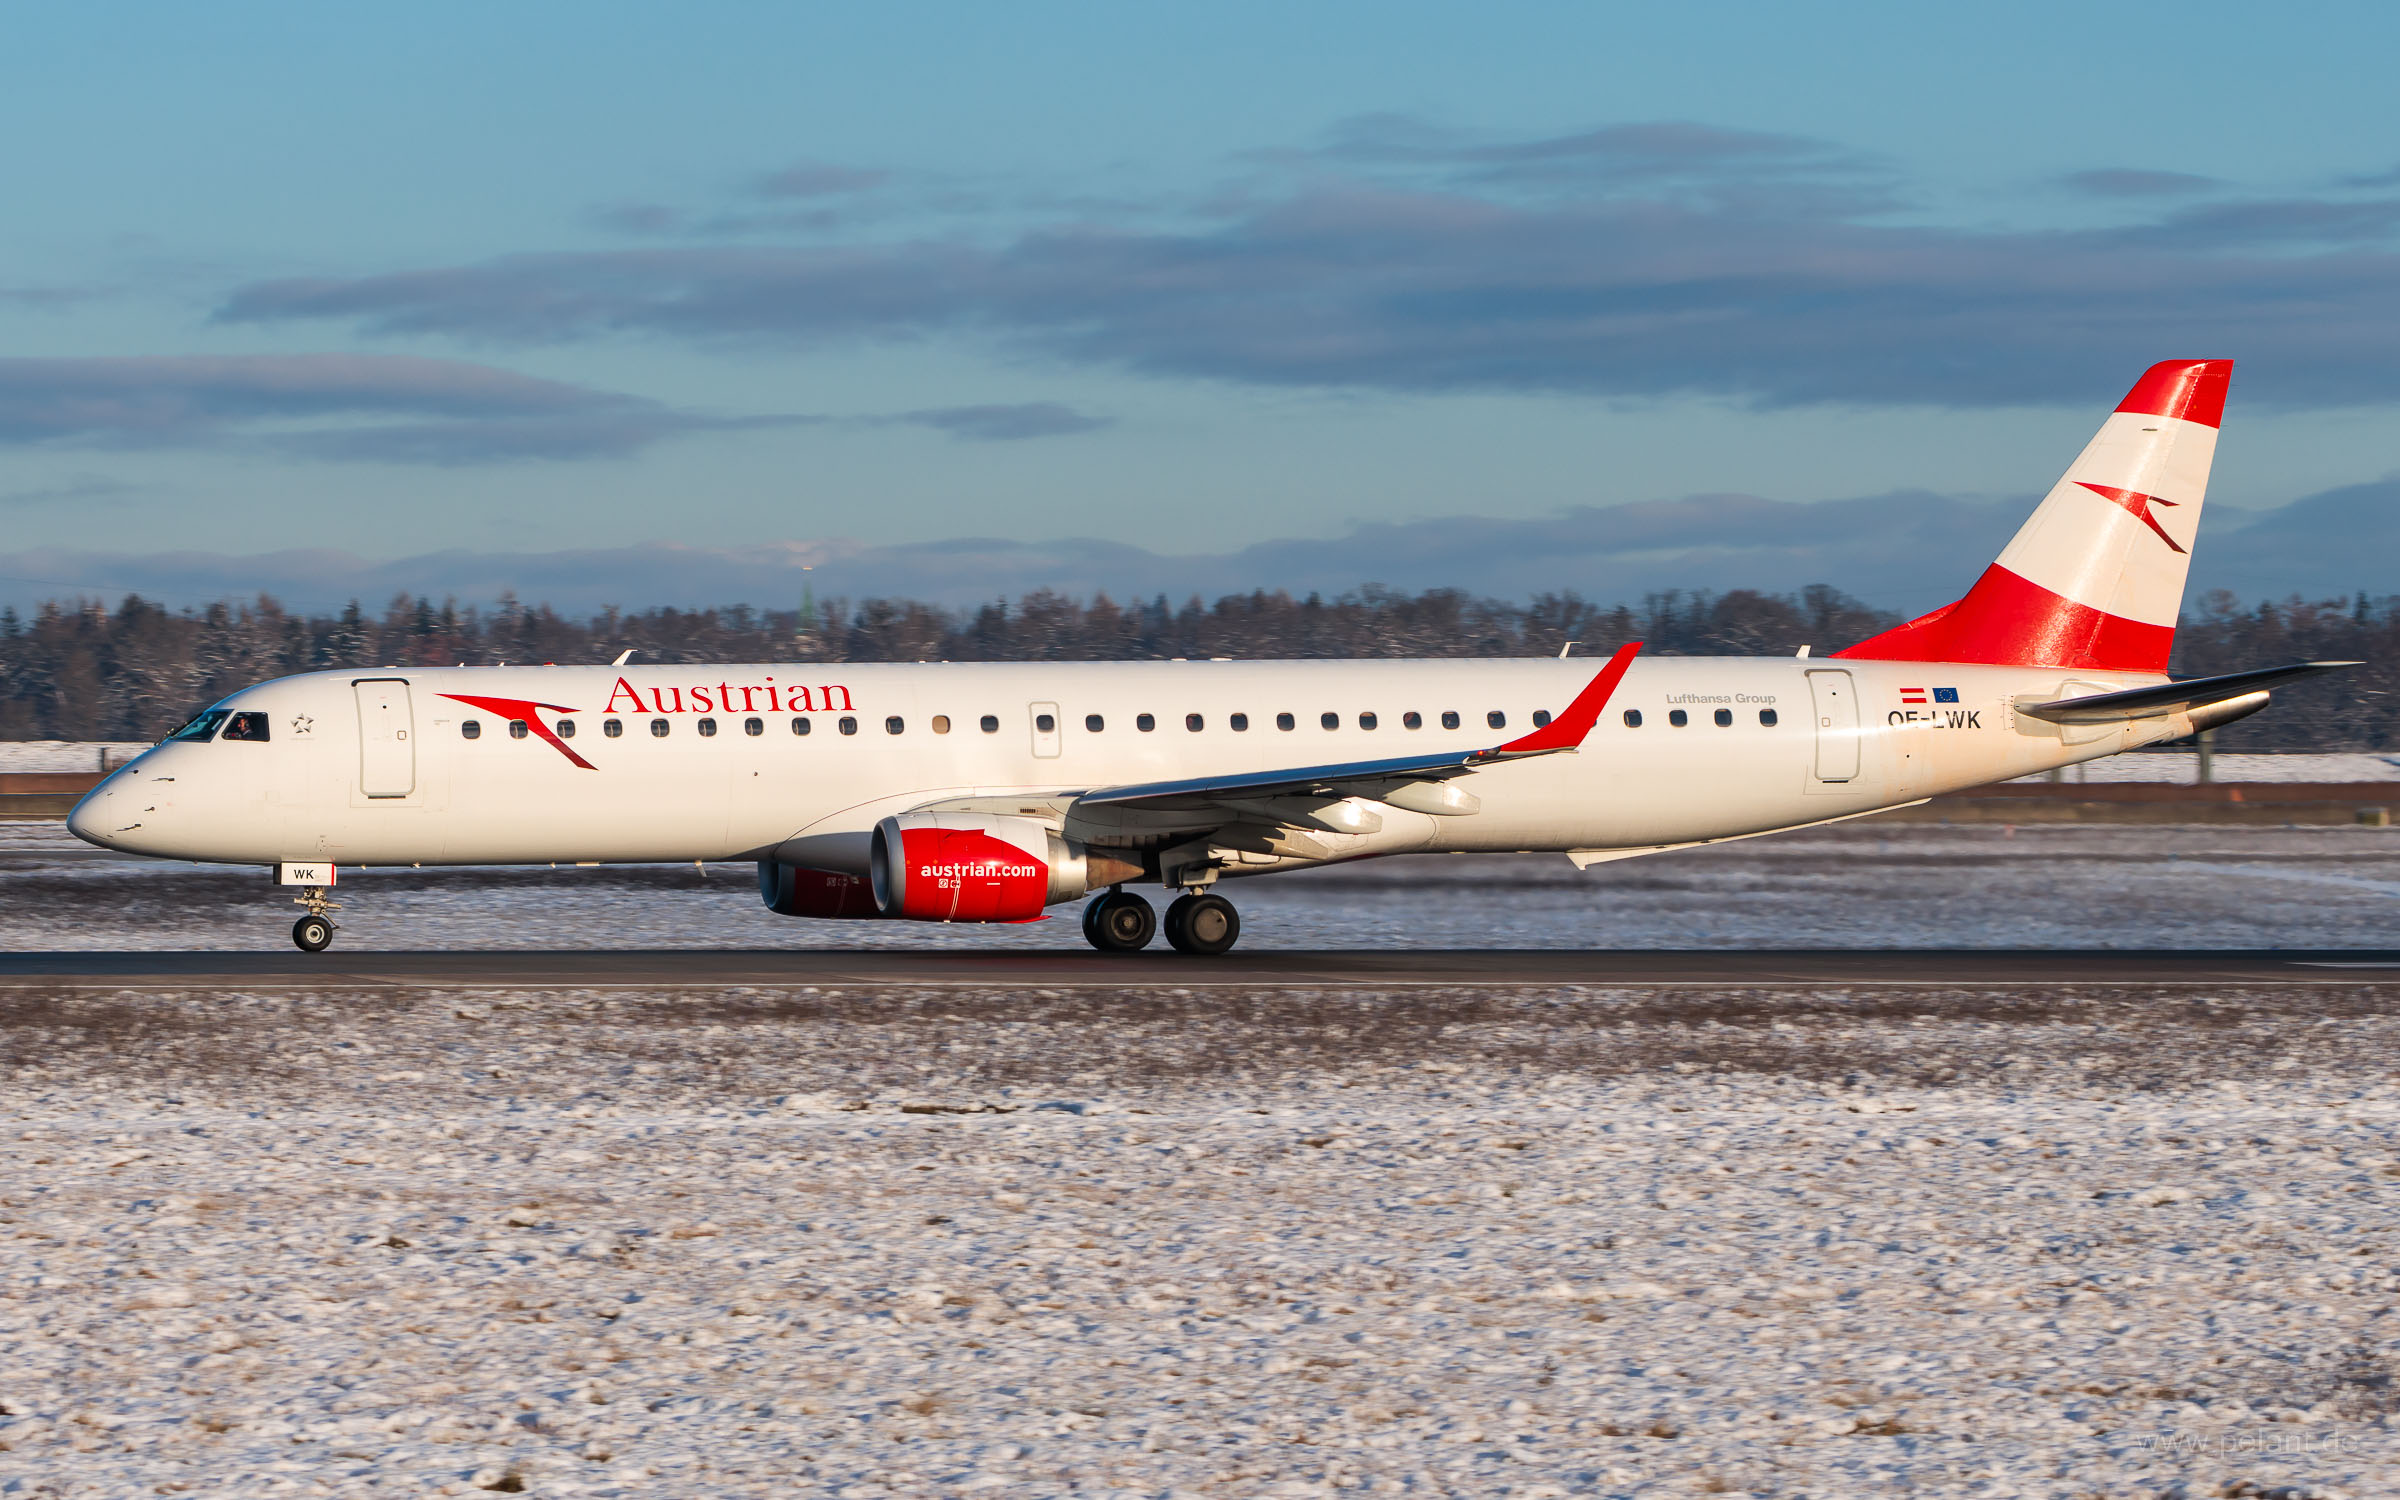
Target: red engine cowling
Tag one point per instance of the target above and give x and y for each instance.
(791, 891)
(962, 867)
(981, 867)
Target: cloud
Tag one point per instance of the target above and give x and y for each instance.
(635, 218)
(378, 408)
(82, 491)
(1686, 260)
(1004, 423)
(46, 296)
(1907, 551)
(810, 179)
(2132, 182)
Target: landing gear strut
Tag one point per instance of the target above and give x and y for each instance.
(314, 932)
(1119, 922)
(1203, 922)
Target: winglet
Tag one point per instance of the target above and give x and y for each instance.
(1567, 730)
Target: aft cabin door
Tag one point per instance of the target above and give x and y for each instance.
(1835, 698)
(387, 748)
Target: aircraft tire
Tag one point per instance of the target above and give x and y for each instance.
(1119, 922)
(312, 934)
(1203, 923)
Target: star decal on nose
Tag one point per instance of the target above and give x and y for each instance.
(2137, 505)
(302, 723)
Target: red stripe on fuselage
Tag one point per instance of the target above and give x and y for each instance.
(2007, 621)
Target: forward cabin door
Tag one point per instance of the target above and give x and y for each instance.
(1835, 698)
(387, 749)
(1045, 731)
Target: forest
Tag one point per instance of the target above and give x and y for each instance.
(82, 670)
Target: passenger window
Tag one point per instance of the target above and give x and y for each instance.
(1093, 723)
(470, 729)
(1238, 723)
(847, 725)
(202, 726)
(1766, 716)
(516, 730)
(1724, 717)
(658, 729)
(754, 727)
(1412, 720)
(707, 727)
(1633, 718)
(1450, 718)
(799, 726)
(1496, 719)
(1330, 721)
(1045, 724)
(566, 729)
(941, 723)
(612, 727)
(893, 725)
(1366, 721)
(991, 723)
(1144, 722)
(1194, 723)
(1541, 717)
(1285, 721)
(246, 727)
(1678, 717)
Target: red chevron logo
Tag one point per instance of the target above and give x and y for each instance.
(2137, 505)
(526, 709)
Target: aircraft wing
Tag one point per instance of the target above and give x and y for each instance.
(2169, 697)
(1563, 734)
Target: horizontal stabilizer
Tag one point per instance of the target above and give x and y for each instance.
(2171, 697)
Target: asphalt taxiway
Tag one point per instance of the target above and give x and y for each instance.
(1382, 969)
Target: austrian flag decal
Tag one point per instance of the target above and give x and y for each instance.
(1917, 695)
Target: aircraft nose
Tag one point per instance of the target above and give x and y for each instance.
(94, 819)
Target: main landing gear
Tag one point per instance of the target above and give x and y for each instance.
(1119, 922)
(314, 932)
(1199, 922)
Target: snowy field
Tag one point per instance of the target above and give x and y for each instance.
(1895, 886)
(1544, 1242)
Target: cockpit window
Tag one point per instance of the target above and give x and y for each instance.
(202, 727)
(247, 727)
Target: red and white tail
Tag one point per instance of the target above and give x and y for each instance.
(2095, 578)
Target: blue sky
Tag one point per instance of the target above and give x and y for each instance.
(450, 297)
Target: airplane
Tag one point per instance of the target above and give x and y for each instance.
(990, 792)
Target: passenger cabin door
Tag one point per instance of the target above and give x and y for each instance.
(1834, 697)
(1045, 731)
(387, 750)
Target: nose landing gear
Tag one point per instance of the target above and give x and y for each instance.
(314, 933)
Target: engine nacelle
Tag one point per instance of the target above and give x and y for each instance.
(792, 891)
(982, 867)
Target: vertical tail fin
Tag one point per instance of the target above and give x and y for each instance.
(2095, 578)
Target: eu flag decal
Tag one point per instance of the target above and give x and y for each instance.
(1945, 695)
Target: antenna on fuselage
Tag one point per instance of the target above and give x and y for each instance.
(623, 657)
(1569, 646)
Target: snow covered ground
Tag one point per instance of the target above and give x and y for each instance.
(65, 755)
(1021, 1243)
(1912, 885)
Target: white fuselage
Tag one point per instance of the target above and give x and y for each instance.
(375, 767)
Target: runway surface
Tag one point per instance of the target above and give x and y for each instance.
(655, 969)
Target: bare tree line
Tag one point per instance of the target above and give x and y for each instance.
(83, 671)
